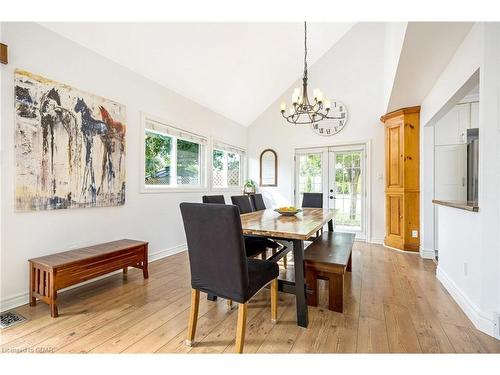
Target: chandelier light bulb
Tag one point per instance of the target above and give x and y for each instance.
(283, 107)
(296, 95)
(328, 104)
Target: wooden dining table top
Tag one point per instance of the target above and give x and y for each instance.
(269, 223)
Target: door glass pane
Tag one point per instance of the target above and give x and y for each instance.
(348, 189)
(188, 163)
(310, 178)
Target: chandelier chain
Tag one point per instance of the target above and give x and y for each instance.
(305, 49)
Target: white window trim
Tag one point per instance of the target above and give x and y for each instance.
(219, 145)
(154, 189)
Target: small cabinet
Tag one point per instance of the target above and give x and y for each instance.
(452, 128)
(402, 192)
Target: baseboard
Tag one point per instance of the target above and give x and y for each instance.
(470, 309)
(23, 298)
(378, 241)
(427, 253)
(166, 253)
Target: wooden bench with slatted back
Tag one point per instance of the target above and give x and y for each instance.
(328, 258)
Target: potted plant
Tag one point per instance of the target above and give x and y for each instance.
(249, 187)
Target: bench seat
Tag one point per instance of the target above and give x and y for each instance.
(328, 258)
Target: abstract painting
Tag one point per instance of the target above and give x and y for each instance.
(69, 146)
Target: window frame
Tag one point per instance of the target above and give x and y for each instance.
(228, 148)
(144, 188)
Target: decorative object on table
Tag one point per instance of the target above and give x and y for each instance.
(268, 168)
(69, 146)
(288, 211)
(332, 118)
(3, 54)
(249, 187)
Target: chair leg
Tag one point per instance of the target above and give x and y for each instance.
(284, 262)
(240, 329)
(274, 300)
(229, 304)
(193, 316)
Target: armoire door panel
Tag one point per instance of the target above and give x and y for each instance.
(394, 155)
(395, 215)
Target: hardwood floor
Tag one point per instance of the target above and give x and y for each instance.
(393, 304)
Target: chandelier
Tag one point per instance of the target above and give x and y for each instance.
(303, 111)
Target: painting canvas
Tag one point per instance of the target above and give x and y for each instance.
(69, 146)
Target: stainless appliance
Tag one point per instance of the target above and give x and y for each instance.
(472, 163)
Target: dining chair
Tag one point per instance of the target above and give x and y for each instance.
(245, 206)
(258, 202)
(258, 205)
(313, 200)
(215, 229)
(218, 199)
(243, 202)
(253, 245)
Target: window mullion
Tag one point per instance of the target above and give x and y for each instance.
(224, 169)
(173, 164)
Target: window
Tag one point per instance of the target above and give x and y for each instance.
(227, 166)
(173, 158)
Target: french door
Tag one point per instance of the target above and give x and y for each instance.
(339, 172)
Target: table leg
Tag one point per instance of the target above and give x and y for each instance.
(300, 291)
(330, 226)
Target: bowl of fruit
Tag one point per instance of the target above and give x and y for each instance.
(288, 211)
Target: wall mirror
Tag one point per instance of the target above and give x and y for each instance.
(268, 168)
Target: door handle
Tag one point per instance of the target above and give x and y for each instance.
(331, 190)
(331, 196)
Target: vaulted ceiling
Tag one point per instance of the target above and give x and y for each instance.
(235, 69)
(427, 49)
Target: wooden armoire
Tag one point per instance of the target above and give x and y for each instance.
(402, 179)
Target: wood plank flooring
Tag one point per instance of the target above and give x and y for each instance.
(393, 304)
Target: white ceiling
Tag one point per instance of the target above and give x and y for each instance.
(235, 69)
(427, 49)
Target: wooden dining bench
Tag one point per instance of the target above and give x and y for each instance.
(328, 258)
(50, 273)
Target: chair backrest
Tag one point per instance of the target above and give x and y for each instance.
(313, 200)
(216, 249)
(258, 202)
(218, 199)
(243, 202)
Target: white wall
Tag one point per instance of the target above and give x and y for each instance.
(394, 38)
(472, 240)
(452, 85)
(352, 72)
(151, 217)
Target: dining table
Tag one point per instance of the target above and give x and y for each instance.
(293, 230)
